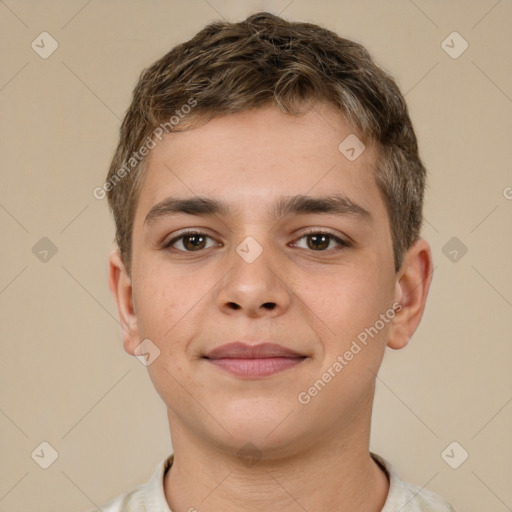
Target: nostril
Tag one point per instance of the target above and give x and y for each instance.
(266, 305)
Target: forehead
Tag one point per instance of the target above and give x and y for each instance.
(249, 159)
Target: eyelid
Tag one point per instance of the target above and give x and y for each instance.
(323, 231)
(343, 241)
(169, 241)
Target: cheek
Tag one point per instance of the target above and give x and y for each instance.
(171, 309)
(160, 304)
(347, 304)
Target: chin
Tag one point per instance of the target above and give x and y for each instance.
(257, 422)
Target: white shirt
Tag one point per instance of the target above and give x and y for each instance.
(402, 496)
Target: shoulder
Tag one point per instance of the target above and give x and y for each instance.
(416, 499)
(131, 501)
(408, 497)
(147, 497)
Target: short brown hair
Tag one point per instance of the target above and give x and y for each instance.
(232, 67)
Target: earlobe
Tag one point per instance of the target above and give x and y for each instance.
(121, 287)
(412, 286)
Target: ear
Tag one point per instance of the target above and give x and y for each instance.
(120, 285)
(412, 285)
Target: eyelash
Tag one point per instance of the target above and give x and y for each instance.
(343, 243)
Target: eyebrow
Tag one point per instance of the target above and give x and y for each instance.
(301, 204)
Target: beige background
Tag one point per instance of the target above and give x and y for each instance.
(65, 378)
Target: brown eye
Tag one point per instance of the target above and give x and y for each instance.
(194, 242)
(190, 242)
(319, 241)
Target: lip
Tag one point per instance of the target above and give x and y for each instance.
(254, 361)
(239, 350)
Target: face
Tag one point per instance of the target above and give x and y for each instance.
(313, 277)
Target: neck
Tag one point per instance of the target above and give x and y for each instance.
(335, 474)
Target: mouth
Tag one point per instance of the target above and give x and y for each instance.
(254, 361)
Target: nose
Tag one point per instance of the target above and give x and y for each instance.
(254, 289)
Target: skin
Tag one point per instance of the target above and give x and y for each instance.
(313, 457)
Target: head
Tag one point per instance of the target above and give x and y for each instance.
(242, 118)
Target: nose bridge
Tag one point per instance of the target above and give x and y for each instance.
(253, 284)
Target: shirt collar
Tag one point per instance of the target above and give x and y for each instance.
(155, 496)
